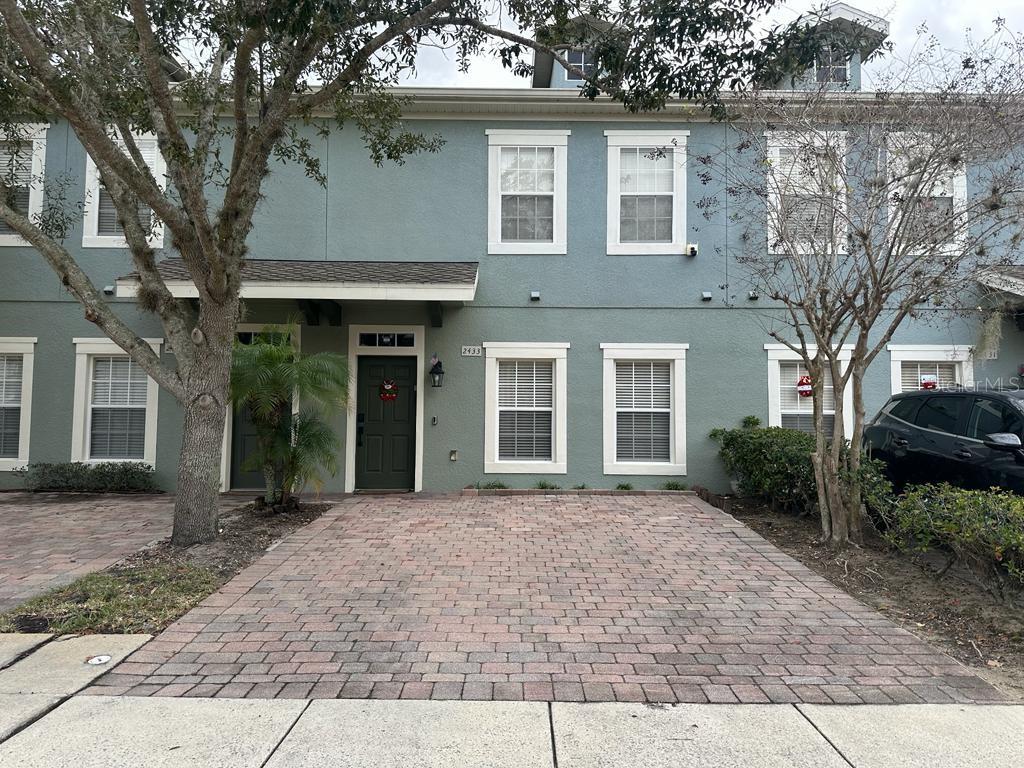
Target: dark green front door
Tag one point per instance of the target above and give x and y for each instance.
(386, 428)
(243, 445)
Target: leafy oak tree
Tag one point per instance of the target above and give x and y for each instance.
(858, 211)
(225, 85)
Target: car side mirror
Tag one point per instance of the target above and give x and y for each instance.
(1003, 441)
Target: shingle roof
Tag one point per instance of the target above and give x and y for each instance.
(392, 272)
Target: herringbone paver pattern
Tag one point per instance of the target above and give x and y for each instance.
(47, 540)
(566, 598)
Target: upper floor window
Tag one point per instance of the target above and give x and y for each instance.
(22, 164)
(646, 192)
(581, 60)
(102, 227)
(526, 191)
(929, 194)
(806, 193)
(831, 66)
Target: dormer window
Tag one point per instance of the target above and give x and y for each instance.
(583, 61)
(831, 66)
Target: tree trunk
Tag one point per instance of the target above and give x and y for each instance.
(196, 505)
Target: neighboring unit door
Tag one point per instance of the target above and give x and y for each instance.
(243, 445)
(385, 427)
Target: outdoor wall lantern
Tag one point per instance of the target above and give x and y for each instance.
(436, 372)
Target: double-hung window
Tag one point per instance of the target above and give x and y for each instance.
(831, 66)
(525, 423)
(115, 414)
(22, 166)
(644, 409)
(806, 193)
(102, 226)
(787, 407)
(16, 362)
(929, 366)
(527, 191)
(646, 192)
(929, 194)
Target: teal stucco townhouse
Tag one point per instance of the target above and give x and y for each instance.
(592, 323)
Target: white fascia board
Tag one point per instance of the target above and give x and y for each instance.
(186, 289)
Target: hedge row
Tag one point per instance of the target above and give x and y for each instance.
(102, 477)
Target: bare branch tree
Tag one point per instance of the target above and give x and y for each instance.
(861, 210)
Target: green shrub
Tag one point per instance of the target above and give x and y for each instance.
(773, 464)
(624, 487)
(984, 530)
(492, 485)
(544, 485)
(580, 487)
(103, 477)
(673, 485)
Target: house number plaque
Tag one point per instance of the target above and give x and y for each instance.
(473, 351)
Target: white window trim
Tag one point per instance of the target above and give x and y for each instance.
(24, 346)
(959, 190)
(779, 352)
(929, 353)
(557, 352)
(676, 353)
(36, 133)
(498, 138)
(85, 350)
(674, 143)
(90, 236)
(777, 140)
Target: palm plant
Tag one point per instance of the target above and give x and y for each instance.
(268, 376)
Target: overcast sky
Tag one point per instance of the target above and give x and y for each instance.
(947, 19)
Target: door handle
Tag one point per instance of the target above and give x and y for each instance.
(900, 442)
(962, 453)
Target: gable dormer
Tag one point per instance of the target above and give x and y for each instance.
(846, 37)
(574, 42)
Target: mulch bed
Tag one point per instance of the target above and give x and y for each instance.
(150, 589)
(955, 612)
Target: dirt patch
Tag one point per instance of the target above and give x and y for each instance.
(149, 589)
(954, 613)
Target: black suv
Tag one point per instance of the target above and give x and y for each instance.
(968, 438)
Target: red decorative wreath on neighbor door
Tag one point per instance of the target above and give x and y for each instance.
(388, 390)
(803, 386)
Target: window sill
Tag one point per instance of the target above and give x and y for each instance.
(13, 241)
(527, 249)
(630, 468)
(646, 249)
(525, 467)
(107, 241)
(148, 462)
(9, 465)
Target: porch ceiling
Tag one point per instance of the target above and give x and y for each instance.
(447, 281)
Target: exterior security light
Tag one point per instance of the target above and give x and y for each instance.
(436, 372)
(691, 249)
(753, 296)
(534, 295)
(705, 296)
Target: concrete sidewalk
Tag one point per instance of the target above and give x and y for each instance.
(94, 731)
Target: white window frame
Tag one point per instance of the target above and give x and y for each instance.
(26, 347)
(779, 352)
(961, 354)
(498, 138)
(958, 185)
(557, 353)
(91, 237)
(36, 133)
(674, 145)
(778, 140)
(86, 350)
(675, 353)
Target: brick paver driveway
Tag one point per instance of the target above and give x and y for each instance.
(47, 540)
(638, 598)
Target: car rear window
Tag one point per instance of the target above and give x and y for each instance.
(940, 413)
(905, 409)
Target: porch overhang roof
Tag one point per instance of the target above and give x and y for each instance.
(442, 281)
(1008, 278)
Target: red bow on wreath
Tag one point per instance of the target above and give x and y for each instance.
(388, 390)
